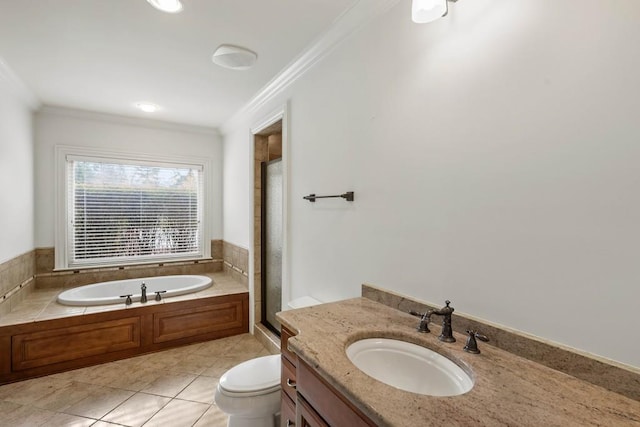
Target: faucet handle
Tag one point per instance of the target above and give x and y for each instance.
(425, 318)
(447, 309)
(158, 296)
(128, 299)
(472, 344)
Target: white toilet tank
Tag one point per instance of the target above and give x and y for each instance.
(301, 302)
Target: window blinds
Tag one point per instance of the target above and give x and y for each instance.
(125, 212)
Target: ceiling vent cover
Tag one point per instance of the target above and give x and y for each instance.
(234, 57)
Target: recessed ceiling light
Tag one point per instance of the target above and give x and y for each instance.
(169, 6)
(234, 57)
(147, 107)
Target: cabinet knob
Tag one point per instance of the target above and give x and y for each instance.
(291, 383)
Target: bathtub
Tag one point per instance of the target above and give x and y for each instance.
(109, 292)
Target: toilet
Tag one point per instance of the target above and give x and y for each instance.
(249, 393)
(301, 302)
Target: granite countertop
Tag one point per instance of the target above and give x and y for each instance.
(508, 390)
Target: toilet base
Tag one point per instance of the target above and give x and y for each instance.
(269, 421)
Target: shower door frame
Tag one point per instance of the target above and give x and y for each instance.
(263, 246)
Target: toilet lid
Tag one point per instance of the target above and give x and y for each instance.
(260, 374)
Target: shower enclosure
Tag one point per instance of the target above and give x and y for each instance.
(271, 243)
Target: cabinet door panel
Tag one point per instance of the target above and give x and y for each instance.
(287, 411)
(288, 379)
(332, 406)
(34, 349)
(190, 322)
(306, 416)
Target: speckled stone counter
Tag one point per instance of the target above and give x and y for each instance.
(508, 390)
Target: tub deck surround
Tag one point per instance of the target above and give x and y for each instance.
(42, 336)
(42, 305)
(508, 390)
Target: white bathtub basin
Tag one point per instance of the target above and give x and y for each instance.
(409, 367)
(109, 292)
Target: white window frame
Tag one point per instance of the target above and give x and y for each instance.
(63, 217)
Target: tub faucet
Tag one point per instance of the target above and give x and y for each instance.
(143, 297)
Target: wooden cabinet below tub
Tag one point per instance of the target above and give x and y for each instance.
(45, 347)
(315, 402)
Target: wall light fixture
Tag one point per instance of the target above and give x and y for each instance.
(147, 107)
(169, 6)
(423, 11)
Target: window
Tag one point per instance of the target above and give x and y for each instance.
(124, 211)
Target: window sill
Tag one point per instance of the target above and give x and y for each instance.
(96, 268)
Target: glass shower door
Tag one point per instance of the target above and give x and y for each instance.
(271, 243)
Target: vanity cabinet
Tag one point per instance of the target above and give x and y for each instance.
(287, 382)
(314, 402)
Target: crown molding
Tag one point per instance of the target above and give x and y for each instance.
(346, 24)
(124, 120)
(10, 80)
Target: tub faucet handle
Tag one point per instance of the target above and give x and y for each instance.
(158, 297)
(128, 299)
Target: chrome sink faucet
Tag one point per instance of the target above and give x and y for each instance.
(143, 297)
(445, 312)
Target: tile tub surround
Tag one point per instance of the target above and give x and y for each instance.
(42, 337)
(45, 258)
(236, 262)
(169, 388)
(47, 278)
(33, 271)
(17, 279)
(508, 390)
(16, 271)
(615, 377)
(42, 304)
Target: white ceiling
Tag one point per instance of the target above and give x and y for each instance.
(105, 55)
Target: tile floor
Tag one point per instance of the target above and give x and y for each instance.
(172, 388)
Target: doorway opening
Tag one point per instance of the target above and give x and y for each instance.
(268, 224)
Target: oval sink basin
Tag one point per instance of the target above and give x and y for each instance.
(409, 367)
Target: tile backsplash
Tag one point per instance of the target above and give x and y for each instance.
(17, 279)
(236, 262)
(36, 269)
